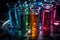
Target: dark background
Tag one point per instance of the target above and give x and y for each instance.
(4, 13)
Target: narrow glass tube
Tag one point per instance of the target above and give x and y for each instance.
(34, 22)
(27, 12)
(56, 7)
(46, 20)
(13, 18)
(22, 20)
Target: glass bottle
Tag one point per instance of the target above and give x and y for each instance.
(27, 13)
(46, 19)
(22, 20)
(34, 21)
(13, 18)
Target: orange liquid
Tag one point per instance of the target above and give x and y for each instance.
(34, 22)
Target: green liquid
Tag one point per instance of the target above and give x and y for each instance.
(27, 20)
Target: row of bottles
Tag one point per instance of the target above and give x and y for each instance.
(33, 16)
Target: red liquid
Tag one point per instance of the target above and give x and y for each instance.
(46, 22)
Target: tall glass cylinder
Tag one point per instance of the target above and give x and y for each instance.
(22, 20)
(34, 22)
(46, 19)
(13, 18)
(27, 13)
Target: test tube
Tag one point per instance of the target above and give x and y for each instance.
(34, 22)
(13, 18)
(46, 19)
(56, 18)
(22, 20)
(27, 12)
